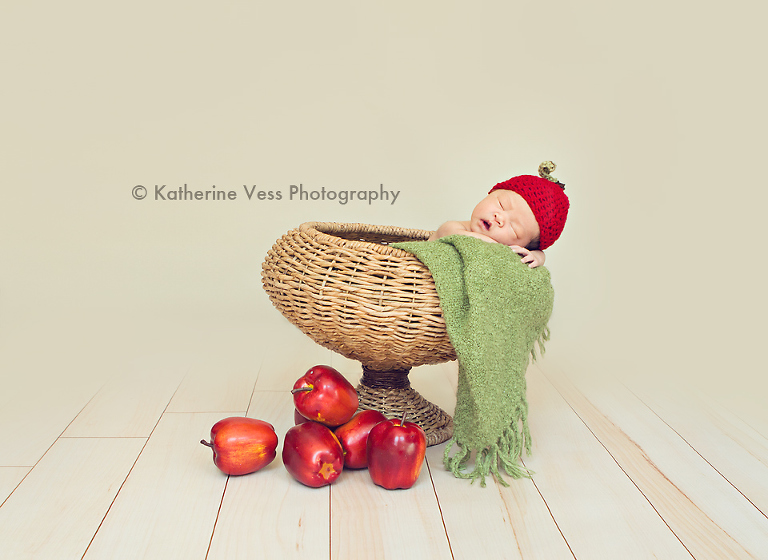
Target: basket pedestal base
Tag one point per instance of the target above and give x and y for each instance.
(391, 394)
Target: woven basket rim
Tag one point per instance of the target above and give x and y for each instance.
(324, 233)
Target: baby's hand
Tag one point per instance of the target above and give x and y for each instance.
(531, 258)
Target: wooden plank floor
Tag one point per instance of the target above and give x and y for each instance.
(115, 470)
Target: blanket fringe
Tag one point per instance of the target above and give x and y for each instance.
(542, 338)
(507, 451)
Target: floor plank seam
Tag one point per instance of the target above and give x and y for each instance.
(96, 532)
(696, 451)
(253, 392)
(552, 515)
(255, 384)
(618, 464)
(15, 487)
(127, 476)
(102, 437)
(231, 412)
(52, 444)
(747, 421)
(440, 509)
(216, 521)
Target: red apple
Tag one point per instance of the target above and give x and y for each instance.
(313, 454)
(354, 437)
(324, 395)
(396, 451)
(242, 445)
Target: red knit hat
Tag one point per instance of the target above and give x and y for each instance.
(546, 197)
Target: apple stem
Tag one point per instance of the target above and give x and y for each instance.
(206, 443)
(402, 422)
(301, 390)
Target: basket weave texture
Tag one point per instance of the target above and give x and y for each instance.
(345, 288)
(349, 291)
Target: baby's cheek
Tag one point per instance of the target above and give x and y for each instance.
(507, 238)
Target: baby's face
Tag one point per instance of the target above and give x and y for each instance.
(505, 216)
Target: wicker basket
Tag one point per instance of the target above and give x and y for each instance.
(348, 290)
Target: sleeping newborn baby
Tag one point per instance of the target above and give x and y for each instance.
(527, 213)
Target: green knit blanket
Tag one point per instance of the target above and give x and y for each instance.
(496, 309)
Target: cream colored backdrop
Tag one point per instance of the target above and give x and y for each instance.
(654, 112)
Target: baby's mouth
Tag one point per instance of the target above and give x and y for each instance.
(486, 224)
